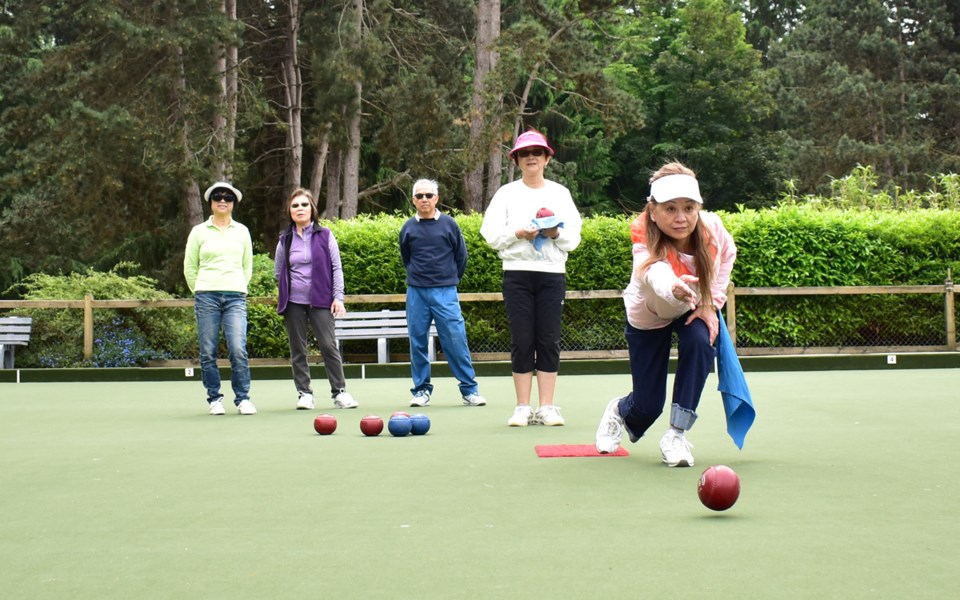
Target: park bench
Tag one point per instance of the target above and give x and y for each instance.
(14, 331)
(382, 325)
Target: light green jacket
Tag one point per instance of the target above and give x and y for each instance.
(218, 261)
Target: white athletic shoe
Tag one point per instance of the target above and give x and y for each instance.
(344, 400)
(421, 398)
(610, 431)
(675, 449)
(305, 402)
(216, 408)
(246, 408)
(474, 400)
(522, 416)
(549, 415)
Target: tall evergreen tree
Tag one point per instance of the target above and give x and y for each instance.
(869, 82)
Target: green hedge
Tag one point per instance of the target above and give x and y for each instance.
(795, 245)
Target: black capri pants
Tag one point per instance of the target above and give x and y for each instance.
(534, 302)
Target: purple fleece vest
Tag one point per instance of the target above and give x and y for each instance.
(321, 271)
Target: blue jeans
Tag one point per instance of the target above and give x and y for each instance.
(440, 305)
(227, 311)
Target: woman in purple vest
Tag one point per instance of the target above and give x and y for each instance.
(310, 277)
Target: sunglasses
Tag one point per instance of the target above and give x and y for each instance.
(422, 196)
(300, 205)
(534, 152)
(222, 197)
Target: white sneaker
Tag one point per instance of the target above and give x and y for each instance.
(216, 408)
(522, 416)
(474, 400)
(675, 449)
(305, 402)
(610, 431)
(421, 398)
(549, 415)
(344, 400)
(246, 408)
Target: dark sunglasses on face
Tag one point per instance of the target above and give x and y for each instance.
(533, 152)
(301, 205)
(421, 196)
(222, 197)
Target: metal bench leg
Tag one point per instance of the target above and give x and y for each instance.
(383, 351)
(431, 349)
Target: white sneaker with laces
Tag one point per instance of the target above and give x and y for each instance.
(246, 408)
(675, 449)
(216, 408)
(305, 402)
(610, 431)
(549, 415)
(344, 400)
(421, 398)
(474, 400)
(522, 416)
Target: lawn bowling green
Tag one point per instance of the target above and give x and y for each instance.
(131, 490)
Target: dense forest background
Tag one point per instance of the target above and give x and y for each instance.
(116, 114)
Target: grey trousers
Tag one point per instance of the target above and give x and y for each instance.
(321, 321)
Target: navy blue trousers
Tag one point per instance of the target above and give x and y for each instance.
(649, 362)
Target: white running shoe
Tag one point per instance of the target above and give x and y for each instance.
(421, 398)
(474, 400)
(344, 400)
(305, 402)
(549, 415)
(522, 416)
(216, 408)
(246, 408)
(675, 449)
(610, 431)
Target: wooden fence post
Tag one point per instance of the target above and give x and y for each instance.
(732, 313)
(87, 326)
(950, 312)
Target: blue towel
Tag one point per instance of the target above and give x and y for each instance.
(737, 403)
(544, 223)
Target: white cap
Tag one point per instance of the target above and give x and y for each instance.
(224, 186)
(671, 187)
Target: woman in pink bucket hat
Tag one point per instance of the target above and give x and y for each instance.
(533, 224)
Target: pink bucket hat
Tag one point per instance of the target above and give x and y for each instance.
(528, 139)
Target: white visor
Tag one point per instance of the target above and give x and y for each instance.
(672, 187)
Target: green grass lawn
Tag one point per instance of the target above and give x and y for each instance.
(130, 490)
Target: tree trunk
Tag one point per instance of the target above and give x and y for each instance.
(189, 190)
(225, 111)
(334, 161)
(479, 151)
(351, 163)
(293, 89)
(518, 122)
(319, 161)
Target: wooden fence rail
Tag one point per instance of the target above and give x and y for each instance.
(89, 304)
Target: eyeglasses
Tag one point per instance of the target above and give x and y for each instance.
(222, 197)
(532, 152)
(422, 196)
(301, 205)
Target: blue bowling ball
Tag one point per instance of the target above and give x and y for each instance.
(400, 425)
(421, 424)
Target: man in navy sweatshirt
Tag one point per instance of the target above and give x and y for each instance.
(435, 257)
